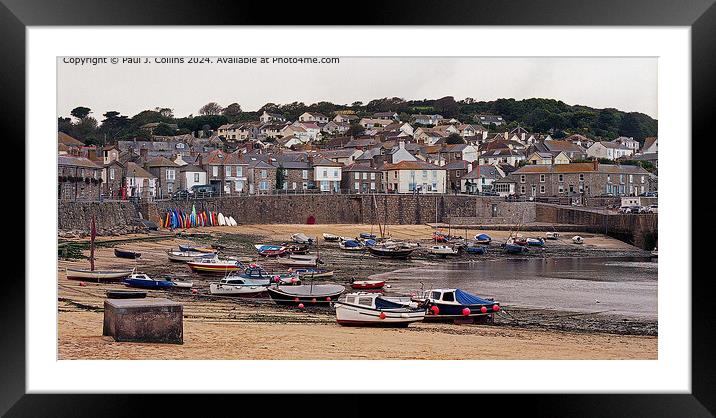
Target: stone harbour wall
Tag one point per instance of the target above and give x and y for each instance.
(111, 218)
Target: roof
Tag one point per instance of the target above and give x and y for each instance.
(578, 168)
(161, 162)
(648, 142)
(63, 138)
(318, 160)
(411, 165)
(360, 167)
(483, 171)
(135, 170)
(75, 161)
(457, 165)
(191, 168)
(554, 145)
(613, 145)
(339, 153)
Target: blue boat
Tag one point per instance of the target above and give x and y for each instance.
(515, 249)
(143, 281)
(476, 249)
(366, 235)
(260, 276)
(456, 304)
(483, 239)
(351, 245)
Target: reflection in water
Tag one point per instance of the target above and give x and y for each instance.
(624, 285)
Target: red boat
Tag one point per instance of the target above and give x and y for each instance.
(520, 241)
(367, 284)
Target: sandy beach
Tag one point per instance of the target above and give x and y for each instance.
(235, 328)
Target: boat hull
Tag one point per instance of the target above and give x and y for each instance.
(354, 315)
(303, 294)
(80, 274)
(188, 255)
(237, 290)
(126, 254)
(370, 284)
(401, 253)
(148, 284)
(212, 269)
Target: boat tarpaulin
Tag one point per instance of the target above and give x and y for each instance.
(465, 298)
(483, 237)
(351, 243)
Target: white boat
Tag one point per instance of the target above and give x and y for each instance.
(182, 283)
(188, 255)
(349, 244)
(299, 260)
(330, 237)
(301, 238)
(97, 274)
(577, 239)
(239, 286)
(551, 235)
(442, 250)
(371, 309)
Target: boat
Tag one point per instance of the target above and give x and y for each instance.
(351, 245)
(258, 273)
(366, 235)
(244, 285)
(196, 249)
(393, 251)
(301, 238)
(455, 304)
(519, 241)
(371, 309)
(311, 272)
(125, 294)
(440, 237)
(368, 242)
(367, 284)
(442, 250)
(84, 274)
(551, 235)
(295, 260)
(535, 242)
(476, 249)
(577, 239)
(309, 294)
(483, 239)
(270, 250)
(330, 237)
(514, 248)
(126, 253)
(184, 284)
(143, 281)
(296, 248)
(214, 265)
(188, 255)
(654, 252)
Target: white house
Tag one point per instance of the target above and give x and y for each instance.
(191, 175)
(326, 174)
(609, 150)
(400, 153)
(650, 145)
(313, 117)
(414, 177)
(501, 156)
(427, 119)
(629, 142)
(139, 182)
(271, 117)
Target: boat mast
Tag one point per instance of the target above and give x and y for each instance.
(93, 234)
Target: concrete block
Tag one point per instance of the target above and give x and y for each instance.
(151, 320)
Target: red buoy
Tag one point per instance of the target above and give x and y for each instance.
(313, 300)
(483, 309)
(495, 308)
(382, 315)
(328, 298)
(300, 306)
(466, 311)
(435, 310)
(295, 299)
(82, 283)
(194, 291)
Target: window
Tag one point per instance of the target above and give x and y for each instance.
(305, 185)
(541, 178)
(541, 188)
(304, 175)
(372, 185)
(356, 185)
(263, 185)
(170, 188)
(523, 178)
(196, 177)
(365, 301)
(642, 180)
(239, 171)
(356, 176)
(561, 177)
(170, 175)
(365, 176)
(609, 178)
(448, 296)
(372, 176)
(621, 178)
(631, 178)
(264, 174)
(522, 189)
(457, 173)
(111, 174)
(581, 176)
(561, 188)
(335, 174)
(435, 174)
(215, 170)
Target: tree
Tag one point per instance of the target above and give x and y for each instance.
(446, 106)
(232, 111)
(280, 177)
(165, 111)
(81, 112)
(454, 139)
(64, 125)
(210, 109)
(164, 130)
(354, 130)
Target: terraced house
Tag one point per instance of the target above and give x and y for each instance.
(413, 177)
(78, 178)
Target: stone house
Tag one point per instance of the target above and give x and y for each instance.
(78, 178)
(139, 182)
(480, 179)
(361, 178)
(167, 175)
(298, 174)
(113, 179)
(261, 177)
(455, 172)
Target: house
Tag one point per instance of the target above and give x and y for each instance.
(426, 119)
(261, 176)
(608, 150)
(326, 173)
(430, 136)
(386, 115)
(400, 153)
(343, 156)
(67, 145)
(297, 171)
(312, 130)
(455, 171)
(650, 145)
(629, 143)
(579, 140)
(549, 158)
(501, 155)
(235, 173)
(361, 178)
(267, 117)
(579, 179)
(572, 150)
(372, 123)
(335, 128)
(464, 152)
(78, 178)
(191, 175)
(489, 119)
(113, 179)
(341, 118)
(480, 179)
(139, 182)
(167, 175)
(109, 154)
(413, 177)
(313, 117)
(228, 131)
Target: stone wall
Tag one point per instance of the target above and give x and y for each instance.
(111, 218)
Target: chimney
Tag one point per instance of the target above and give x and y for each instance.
(401, 144)
(469, 167)
(143, 154)
(596, 165)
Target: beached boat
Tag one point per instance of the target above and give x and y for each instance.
(654, 252)
(187, 255)
(483, 239)
(476, 249)
(330, 237)
(295, 260)
(270, 250)
(214, 265)
(366, 235)
(125, 294)
(258, 273)
(535, 242)
(351, 245)
(514, 249)
(85, 274)
(182, 284)
(126, 253)
(197, 249)
(577, 239)
(442, 250)
(551, 235)
(308, 294)
(455, 304)
(519, 241)
(143, 281)
(367, 284)
(371, 309)
(301, 238)
(311, 272)
(392, 251)
(296, 248)
(245, 285)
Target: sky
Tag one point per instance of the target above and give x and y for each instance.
(627, 84)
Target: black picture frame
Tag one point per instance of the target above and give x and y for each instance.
(16, 15)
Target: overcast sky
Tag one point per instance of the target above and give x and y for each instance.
(628, 84)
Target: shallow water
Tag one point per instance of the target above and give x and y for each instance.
(625, 286)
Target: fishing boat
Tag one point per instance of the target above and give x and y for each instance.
(535, 242)
(295, 260)
(367, 284)
(392, 251)
(371, 309)
(271, 250)
(442, 250)
(514, 248)
(143, 281)
(188, 255)
(301, 238)
(551, 235)
(311, 272)
(258, 273)
(214, 265)
(351, 245)
(309, 294)
(455, 304)
(84, 274)
(126, 253)
(577, 239)
(330, 237)
(475, 248)
(197, 249)
(483, 239)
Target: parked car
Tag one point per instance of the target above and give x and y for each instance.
(637, 209)
(181, 194)
(652, 209)
(625, 209)
(204, 190)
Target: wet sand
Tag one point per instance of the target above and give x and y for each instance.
(236, 328)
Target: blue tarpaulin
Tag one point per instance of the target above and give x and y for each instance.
(465, 298)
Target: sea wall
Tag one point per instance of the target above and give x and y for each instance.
(111, 218)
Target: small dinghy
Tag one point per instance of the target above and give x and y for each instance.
(392, 251)
(455, 305)
(125, 294)
(371, 309)
(367, 284)
(311, 272)
(535, 242)
(515, 249)
(308, 294)
(442, 250)
(196, 249)
(84, 274)
(126, 253)
(214, 265)
(577, 239)
(366, 235)
(519, 241)
(351, 245)
(143, 281)
(551, 235)
(295, 260)
(187, 255)
(330, 237)
(301, 238)
(183, 284)
(476, 249)
(297, 248)
(270, 250)
(483, 239)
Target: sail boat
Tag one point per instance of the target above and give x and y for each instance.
(93, 274)
(515, 243)
(385, 248)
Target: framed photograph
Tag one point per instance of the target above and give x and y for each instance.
(460, 204)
